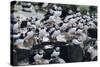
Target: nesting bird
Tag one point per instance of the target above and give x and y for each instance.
(56, 52)
(29, 34)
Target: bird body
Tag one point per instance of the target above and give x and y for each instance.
(55, 33)
(55, 53)
(37, 57)
(29, 35)
(93, 52)
(15, 27)
(19, 42)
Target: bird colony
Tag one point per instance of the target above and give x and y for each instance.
(46, 33)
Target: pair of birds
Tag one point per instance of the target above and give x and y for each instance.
(53, 33)
(39, 55)
(22, 37)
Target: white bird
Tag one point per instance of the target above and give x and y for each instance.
(29, 34)
(72, 21)
(80, 25)
(74, 15)
(93, 52)
(51, 18)
(51, 11)
(52, 29)
(70, 11)
(43, 33)
(23, 30)
(45, 39)
(37, 57)
(86, 27)
(78, 14)
(78, 9)
(61, 38)
(75, 41)
(48, 47)
(64, 26)
(15, 27)
(45, 5)
(37, 23)
(59, 8)
(88, 13)
(28, 24)
(80, 31)
(57, 13)
(55, 7)
(72, 30)
(92, 25)
(55, 33)
(33, 26)
(67, 18)
(56, 52)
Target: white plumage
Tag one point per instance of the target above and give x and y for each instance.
(42, 33)
(92, 25)
(80, 25)
(23, 30)
(57, 13)
(75, 41)
(72, 30)
(59, 8)
(29, 35)
(37, 57)
(93, 52)
(52, 29)
(51, 11)
(55, 6)
(28, 24)
(33, 26)
(48, 47)
(79, 31)
(64, 26)
(16, 35)
(15, 27)
(70, 11)
(61, 60)
(45, 61)
(56, 53)
(45, 5)
(67, 18)
(61, 38)
(86, 27)
(37, 23)
(45, 39)
(56, 33)
(71, 21)
(19, 42)
(78, 14)
(51, 18)
(78, 9)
